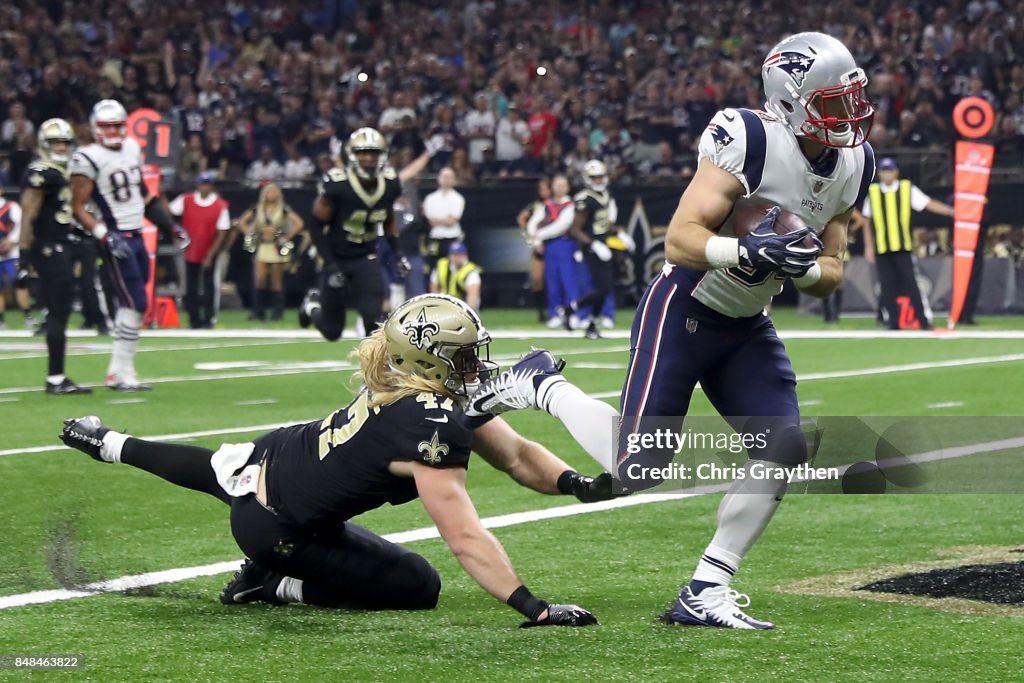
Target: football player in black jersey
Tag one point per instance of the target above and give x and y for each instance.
(592, 226)
(45, 232)
(354, 204)
(405, 435)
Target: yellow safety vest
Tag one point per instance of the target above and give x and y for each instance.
(890, 213)
(455, 285)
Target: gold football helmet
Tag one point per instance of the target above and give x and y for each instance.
(442, 339)
(595, 175)
(53, 131)
(366, 140)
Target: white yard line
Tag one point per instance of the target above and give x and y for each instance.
(104, 349)
(426, 533)
(883, 370)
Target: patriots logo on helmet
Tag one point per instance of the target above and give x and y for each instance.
(796, 64)
(720, 136)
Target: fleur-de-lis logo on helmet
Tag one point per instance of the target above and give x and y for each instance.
(420, 330)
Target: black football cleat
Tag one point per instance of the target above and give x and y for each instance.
(85, 434)
(66, 387)
(252, 583)
(309, 302)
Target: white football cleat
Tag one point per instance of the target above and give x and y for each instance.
(718, 606)
(519, 387)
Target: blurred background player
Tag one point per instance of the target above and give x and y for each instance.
(457, 276)
(204, 215)
(45, 228)
(354, 204)
(593, 224)
(106, 178)
(10, 236)
(549, 227)
(269, 228)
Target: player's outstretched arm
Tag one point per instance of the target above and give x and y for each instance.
(704, 206)
(534, 466)
(443, 492)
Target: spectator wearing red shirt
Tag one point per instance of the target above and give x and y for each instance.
(204, 215)
(543, 128)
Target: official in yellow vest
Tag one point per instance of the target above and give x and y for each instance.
(888, 243)
(458, 276)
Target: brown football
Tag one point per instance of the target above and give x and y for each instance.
(746, 216)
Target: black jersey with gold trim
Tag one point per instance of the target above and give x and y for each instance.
(361, 208)
(331, 470)
(53, 224)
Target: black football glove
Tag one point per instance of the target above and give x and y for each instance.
(588, 489)
(762, 249)
(181, 237)
(402, 268)
(23, 276)
(563, 615)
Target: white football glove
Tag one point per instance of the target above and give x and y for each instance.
(601, 250)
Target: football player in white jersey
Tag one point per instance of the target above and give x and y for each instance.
(703, 319)
(110, 199)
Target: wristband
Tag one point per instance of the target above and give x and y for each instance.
(809, 278)
(522, 600)
(99, 231)
(565, 482)
(722, 252)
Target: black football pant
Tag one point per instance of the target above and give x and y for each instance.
(344, 566)
(199, 284)
(896, 278)
(602, 278)
(56, 290)
(363, 290)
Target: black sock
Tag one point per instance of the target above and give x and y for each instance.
(56, 341)
(186, 466)
(278, 302)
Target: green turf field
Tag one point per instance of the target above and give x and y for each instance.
(69, 521)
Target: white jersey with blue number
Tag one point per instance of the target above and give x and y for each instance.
(764, 155)
(117, 197)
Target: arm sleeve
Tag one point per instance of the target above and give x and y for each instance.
(866, 209)
(535, 218)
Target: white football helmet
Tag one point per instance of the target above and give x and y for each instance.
(366, 140)
(109, 123)
(442, 339)
(812, 82)
(595, 175)
(55, 131)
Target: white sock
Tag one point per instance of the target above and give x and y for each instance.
(130, 341)
(590, 421)
(54, 379)
(113, 442)
(289, 590)
(742, 516)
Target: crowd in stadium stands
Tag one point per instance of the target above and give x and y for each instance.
(267, 90)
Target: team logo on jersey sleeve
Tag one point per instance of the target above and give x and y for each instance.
(796, 64)
(420, 330)
(720, 135)
(433, 450)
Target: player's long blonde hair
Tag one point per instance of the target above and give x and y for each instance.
(384, 383)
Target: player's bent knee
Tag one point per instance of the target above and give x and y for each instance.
(422, 582)
(787, 447)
